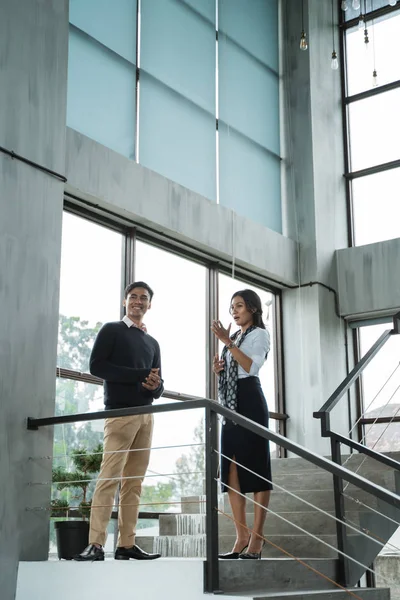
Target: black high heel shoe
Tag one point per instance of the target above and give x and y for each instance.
(252, 555)
(233, 555)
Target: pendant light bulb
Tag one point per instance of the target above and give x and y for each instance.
(361, 24)
(334, 61)
(303, 41)
(356, 4)
(375, 79)
(344, 5)
(392, 2)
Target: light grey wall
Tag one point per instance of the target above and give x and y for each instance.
(368, 279)
(314, 344)
(33, 78)
(105, 178)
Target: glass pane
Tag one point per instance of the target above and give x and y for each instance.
(244, 82)
(227, 287)
(381, 389)
(177, 139)
(253, 26)
(177, 459)
(177, 316)
(376, 207)
(385, 43)
(178, 48)
(249, 179)
(111, 23)
(374, 130)
(101, 95)
(177, 319)
(90, 287)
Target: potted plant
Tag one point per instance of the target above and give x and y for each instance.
(72, 532)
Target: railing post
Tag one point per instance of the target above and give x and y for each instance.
(211, 573)
(341, 532)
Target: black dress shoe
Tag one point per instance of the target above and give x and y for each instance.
(90, 553)
(232, 555)
(134, 552)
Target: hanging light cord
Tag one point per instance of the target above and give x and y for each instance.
(333, 28)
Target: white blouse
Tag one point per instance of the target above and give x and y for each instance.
(255, 345)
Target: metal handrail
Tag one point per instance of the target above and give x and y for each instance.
(325, 410)
(319, 461)
(63, 373)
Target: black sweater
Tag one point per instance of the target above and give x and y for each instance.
(123, 357)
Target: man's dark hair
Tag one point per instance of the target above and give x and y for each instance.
(138, 284)
(253, 304)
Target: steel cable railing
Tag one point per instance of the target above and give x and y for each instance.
(360, 418)
(321, 510)
(212, 409)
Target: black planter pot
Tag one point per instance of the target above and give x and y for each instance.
(72, 538)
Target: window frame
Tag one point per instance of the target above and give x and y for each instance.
(347, 99)
(133, 232)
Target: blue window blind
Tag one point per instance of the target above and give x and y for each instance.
(101, 94)
(113, 23)
(177, 138)
(177, 92)
(249, 134)
(250, 180)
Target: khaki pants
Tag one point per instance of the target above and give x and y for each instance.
(123, 433)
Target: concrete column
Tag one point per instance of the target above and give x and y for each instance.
(314, 342)
(33, 80)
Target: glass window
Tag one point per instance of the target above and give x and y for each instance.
(384, 37)
(177, 138)
(101, 94)
(111, 23)
(375, 130)
(177, 317)
(227, 287)
(376, 207)
(90, 287)
(250, 179)
(381, 383)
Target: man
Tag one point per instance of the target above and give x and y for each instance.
(128, 359)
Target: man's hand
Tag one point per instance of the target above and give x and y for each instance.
(152, 381)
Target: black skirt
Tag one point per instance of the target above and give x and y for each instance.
(245, 447)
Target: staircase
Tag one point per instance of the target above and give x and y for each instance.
(183, 534)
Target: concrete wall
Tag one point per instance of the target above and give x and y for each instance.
(33, 76)
(368, 279)
(388, 574)
(111, 181)
(315, 213)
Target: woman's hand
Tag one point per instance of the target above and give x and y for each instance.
(220, 332)
(218, 365)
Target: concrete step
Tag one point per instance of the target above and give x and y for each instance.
(295, 465)
(313, 521)
(272, 576)
(184, 546)
(321, 480)
(363, 593)
(284, 502)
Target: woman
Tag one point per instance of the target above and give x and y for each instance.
(239, 389)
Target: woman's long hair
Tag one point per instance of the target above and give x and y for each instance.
(253, 304)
